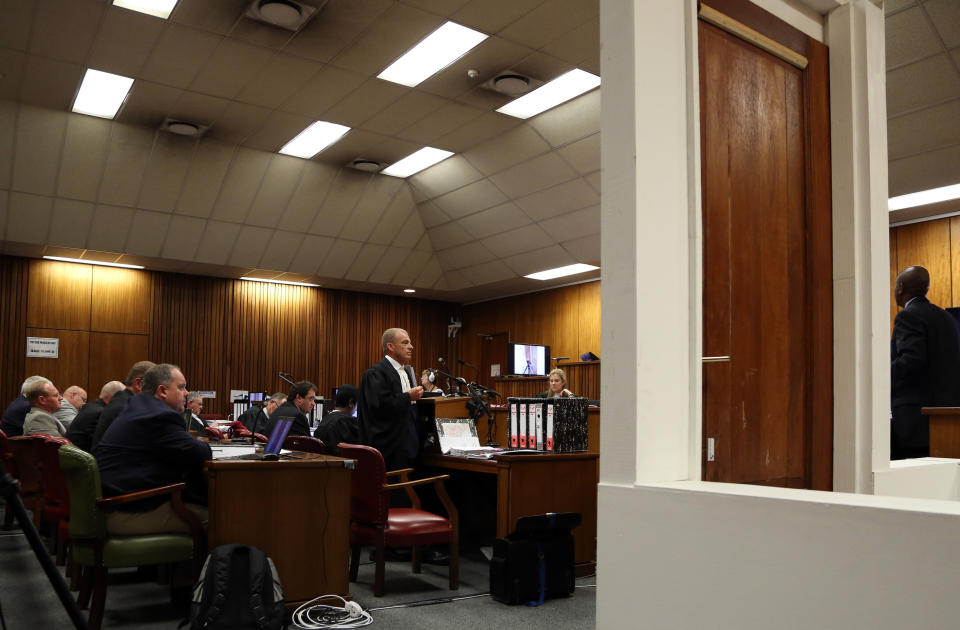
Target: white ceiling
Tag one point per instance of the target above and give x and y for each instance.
(518, 197)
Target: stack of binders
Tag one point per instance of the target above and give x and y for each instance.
(557, 425)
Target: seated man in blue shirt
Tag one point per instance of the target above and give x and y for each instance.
(146, 447)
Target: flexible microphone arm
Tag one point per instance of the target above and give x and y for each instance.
(283, 375)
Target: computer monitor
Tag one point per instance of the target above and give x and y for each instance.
(528, 359)
(256, 397)
(280, 431)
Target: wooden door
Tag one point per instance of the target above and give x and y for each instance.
(766, 348)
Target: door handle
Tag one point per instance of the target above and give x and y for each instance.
(723, 359)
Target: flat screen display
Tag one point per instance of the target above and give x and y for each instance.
(528, 359)
(280, 431)
(256, 397)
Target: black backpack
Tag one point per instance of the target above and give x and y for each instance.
(239, 589)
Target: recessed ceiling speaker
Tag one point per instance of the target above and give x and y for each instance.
(365, 165)
(290, 15)
(183, 127)
(511, 83)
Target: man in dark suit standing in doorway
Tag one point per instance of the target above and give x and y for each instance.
(925, 364)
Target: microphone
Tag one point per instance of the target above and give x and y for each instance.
(441, 361)
(462, 362)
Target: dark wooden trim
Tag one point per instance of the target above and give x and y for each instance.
(765, 23)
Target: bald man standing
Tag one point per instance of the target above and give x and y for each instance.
(925, 364)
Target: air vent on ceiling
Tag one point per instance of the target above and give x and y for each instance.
(183, 127)
(511, 83)
(365, 165)
(291, 15)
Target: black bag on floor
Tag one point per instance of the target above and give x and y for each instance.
(535, 562)
(238, 589)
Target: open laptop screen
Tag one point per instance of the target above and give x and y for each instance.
(280, 431)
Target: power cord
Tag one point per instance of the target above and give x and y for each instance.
(312, 615)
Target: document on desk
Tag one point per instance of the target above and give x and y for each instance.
(227, 452)
(457, 433)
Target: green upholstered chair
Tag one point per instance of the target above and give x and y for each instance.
(96, 551)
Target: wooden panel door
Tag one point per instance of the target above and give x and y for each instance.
(760, 274)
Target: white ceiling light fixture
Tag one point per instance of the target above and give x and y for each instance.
(437, 51)
(314, 139)
(560, 272)
(549, 95)
(416, 162)
(290, 15)
(297, 284)
(157, 8)
(84, 261)
(409, 290)
(924, 197)
(101, 94)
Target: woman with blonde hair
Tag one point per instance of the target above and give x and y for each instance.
(558, 385)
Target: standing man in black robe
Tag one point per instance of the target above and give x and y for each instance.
(925, 364)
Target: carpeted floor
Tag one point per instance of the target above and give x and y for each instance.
(412, 601)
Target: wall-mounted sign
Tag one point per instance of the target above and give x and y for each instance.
(45, 347)
(207, 394)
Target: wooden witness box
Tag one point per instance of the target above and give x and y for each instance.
(296, 510)
(944, 431)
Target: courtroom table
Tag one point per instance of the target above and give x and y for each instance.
(531, 484)
(296, 510)
(944, 431)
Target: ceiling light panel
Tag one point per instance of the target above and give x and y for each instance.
(416, 162)
(314, 139)
(101, 93)
(549, 95)
(157, 8)
(83, 261)
(296, 284)
(560, 272)
(437, 51)
(924, 197)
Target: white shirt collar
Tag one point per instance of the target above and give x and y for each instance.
(910, 300)
(396, 364)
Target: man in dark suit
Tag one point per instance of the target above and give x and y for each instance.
(339, 425)
(387, 393)
(134, 383)
(16, 412)
(925, 364)
(80, 431)
(300, 402)
(256, 418)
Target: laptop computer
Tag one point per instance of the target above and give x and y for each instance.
(272, 450)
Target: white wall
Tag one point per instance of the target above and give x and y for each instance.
(927, 478)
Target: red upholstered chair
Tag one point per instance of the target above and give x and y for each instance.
(374, 523)
(26, 456)
(56, 498)
(259, 437)
(213, 433)
(304, 443)
(7, 463)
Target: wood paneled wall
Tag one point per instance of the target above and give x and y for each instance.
(567, 319)
(583, 379)
(225, 334)
(934, 245)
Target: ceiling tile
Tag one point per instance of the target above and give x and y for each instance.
(204, 178)
(487, 100)
(64, 29)
(430, 275)
(448, 235)
(209, 16)
(392, 260)
(50, 83)
(16, 23)
(278, 129)
(365, 262)
(558, 200)
(412, 267)
(411, 233)
(533, 175)
(478, 130)
(110, 227)
(502, 218)
(340, 23)
(574, 46)
(14, 63)
(466, 255)
(543, 67)
(922, 84)
(361, 104)
(519, 240)
(229, 69)
(493, 271)
(594, 180)
(217, 243)
(390, 150)
(440, 7)
(250, 246)
(147, 233)
(891, 6)
(571, 121)
(946, 19)
(280, 79)
(71, 223)
(371, 208)
(8, 131)
(198, 108)
(490, 57)
(431, 214)
(183, 237)
(178, 56)
(924, 130)
(532, 261)
(350, 146)
(344, 193)
(237, 122)
(932, 169)
(339, 260)
(444, 120)
(393, 33)
(308, 198)
(405, 111)
(550, 20)
(909, 37)
(585, 249)
(573, 224)
(313, 249)
(39, 140)
(240, 185)
(511, 148)
(281, 251)
(148, 104)
(28, 217)
(124, 41)
(490, 16)
(260, 34)
(448, 175)
(400, 225)
(279, 182)
(470, 199)
(583, 155)
(166, 171)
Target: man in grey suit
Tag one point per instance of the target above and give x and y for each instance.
(44, 402)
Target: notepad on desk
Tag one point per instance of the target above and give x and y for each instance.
(457, 433)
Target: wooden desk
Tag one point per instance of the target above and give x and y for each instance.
(944, 431)
(455, 407)
(535, 484)
(296, 511)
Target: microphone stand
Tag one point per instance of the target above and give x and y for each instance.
(480, 405)
(457, 379)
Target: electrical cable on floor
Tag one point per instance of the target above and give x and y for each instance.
(430, 602)
(314, 616)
